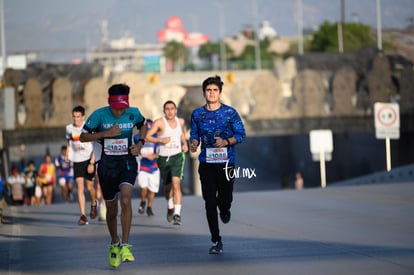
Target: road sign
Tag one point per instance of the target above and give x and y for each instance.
(387, 125)
(321, 141)
(387, 120)
(321, 144)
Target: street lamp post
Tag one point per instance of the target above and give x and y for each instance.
(3, 38)
(379, 31)
(341, 28)
(300, 27)
(257, 42)
(223, 58)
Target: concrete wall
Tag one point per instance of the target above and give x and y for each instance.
(310, 86)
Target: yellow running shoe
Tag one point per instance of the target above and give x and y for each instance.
(114, 255)
(102, 212)
(126, 254)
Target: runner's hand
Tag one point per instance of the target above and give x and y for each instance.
(193, 145)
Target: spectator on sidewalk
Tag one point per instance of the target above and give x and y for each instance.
(47, 174)
(31, 176)
(15, 183)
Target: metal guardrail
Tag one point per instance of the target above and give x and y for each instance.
(398, 174)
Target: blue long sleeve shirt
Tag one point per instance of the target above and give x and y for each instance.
(224, 122)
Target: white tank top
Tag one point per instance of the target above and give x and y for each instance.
(78, 151)
(174, 146)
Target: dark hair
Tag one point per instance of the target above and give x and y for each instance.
(169, 102)
(216, 80)
(79, 109)
(118, 89)
(63, 147)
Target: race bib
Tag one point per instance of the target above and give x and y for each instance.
(216, 155)
(174, 144)
(146, 151)
(116, 147)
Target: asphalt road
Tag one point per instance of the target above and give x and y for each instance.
(336, 230)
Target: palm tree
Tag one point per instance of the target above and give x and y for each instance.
(176, 52)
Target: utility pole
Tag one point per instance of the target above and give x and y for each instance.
(223, 57)
(341, 28)
(256, 37)
(379, 28)
(300, 26)
(3, 38)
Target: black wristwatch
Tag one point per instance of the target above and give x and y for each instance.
(142, 141)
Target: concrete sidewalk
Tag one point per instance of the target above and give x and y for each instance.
(336, 230)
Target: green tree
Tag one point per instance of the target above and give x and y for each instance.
(293, 48)
(248, 57)
(355, 37)
(266, 56)
(176, 52)
(209, 49)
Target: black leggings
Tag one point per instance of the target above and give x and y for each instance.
(217, 191)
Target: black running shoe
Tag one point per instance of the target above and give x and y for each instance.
(149, 212)
(177, 220)
(170, 215)
(83, 220)
(94, 211)
(225, 217)
(217, 248)
(141, 207)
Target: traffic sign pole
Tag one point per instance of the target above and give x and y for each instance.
(387, 126)
(321, 143)
(388, 153)
(322, 168)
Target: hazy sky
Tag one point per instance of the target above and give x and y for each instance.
(54, 24)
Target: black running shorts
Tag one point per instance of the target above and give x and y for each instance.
(80, 170)
(114, 171)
